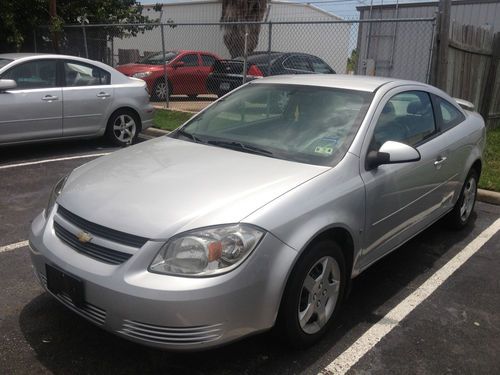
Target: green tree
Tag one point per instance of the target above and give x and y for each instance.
(352, 62)
(238, 11)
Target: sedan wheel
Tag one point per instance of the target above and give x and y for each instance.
(160, 90)
(460, 216)
(313, 294)
(122, 128)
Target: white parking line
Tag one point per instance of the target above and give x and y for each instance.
(370, 338)
(13, 246)
(52, 160)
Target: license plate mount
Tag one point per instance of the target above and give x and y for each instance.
(59, 282)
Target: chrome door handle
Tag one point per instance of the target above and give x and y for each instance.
(49, 98)
(103, 94)
(440, 161)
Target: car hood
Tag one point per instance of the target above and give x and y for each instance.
(165, 186)
(135, 68)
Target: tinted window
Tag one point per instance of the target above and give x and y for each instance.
(78, 74)
(189, 60)
(301, 123)
(34, 74)
(157, 58)
(450, 115)
(319, 66)
(297, 63)
(407, 117)
(207, 60)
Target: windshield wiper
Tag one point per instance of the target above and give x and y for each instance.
(239, 146)
(189, 135)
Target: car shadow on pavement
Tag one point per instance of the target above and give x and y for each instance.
(66, 343)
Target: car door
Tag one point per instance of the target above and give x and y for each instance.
(207, 62)
(187, 77)
(88, 95)
(402, 199)
(33, 110)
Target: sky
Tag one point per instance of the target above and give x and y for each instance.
(342, 8)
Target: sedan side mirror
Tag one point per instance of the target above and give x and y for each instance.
(392, 152)
(179, 64)
(7, 84)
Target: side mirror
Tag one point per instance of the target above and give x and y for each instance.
(179, 64)
(7, 84)
(392, 152)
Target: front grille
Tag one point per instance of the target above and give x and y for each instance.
(89, 311)
(171, 335)
(98, 252)
(101, 231)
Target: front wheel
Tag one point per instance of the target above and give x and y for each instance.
(313, 294)
(460, 216)
(160, 90)
(123, 127)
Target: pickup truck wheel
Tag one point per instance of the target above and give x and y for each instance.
(313, 295)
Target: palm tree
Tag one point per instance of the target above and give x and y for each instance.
(238, 11)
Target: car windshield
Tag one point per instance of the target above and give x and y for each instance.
(307, 124)
(4, 62)
(157, 58)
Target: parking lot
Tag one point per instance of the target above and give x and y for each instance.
(427, 308)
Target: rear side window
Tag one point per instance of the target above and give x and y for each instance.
(37, 74)
(450, 115)
(319, 66)
(407, 117)
(207, 60)
(79, 74)
(190, 60)
(297, 63)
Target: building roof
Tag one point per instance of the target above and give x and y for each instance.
(423, 3)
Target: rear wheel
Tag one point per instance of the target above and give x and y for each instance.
(123, 127)
(460, 216)
(313, 295)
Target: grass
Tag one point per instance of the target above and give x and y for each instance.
(490, 175)
(169, 120)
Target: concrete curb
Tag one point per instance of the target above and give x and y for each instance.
(488, 196)
(157, 106)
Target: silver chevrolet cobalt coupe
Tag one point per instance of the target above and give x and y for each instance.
(258, 211)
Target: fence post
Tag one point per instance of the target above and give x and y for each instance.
(167, 93)
(270, 38)
(85, 41)
(492, 78)
(245, 55)
(34, 40)
(431, 54)
(444, 35)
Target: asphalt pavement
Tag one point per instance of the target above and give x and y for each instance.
(455, 330)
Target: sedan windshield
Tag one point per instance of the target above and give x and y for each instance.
(157, 58)
(313, 125)
(4, 62)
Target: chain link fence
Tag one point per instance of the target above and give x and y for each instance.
(179, 61)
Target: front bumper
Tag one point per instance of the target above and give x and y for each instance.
(177, 313)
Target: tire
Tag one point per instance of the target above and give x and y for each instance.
(313, 295)
(460, 216)
(123, 127)
(159, 90)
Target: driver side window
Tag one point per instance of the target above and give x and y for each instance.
(407, 117)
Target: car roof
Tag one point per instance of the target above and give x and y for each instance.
(343, 81)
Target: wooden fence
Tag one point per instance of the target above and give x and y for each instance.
(474, 68)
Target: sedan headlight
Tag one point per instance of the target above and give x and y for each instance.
(141, 74)
(207, 251)
(54, 194)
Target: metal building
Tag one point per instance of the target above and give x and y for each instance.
(330, 42)
(403, 50)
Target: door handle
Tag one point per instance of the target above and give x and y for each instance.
(440, 161)
(49, 98)
(103, 94)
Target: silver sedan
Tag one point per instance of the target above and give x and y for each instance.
(48, 97)
(259, 211)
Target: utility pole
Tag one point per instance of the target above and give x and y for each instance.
(53, 23)
(444, 34)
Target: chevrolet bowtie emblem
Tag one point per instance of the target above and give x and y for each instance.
(84, 237)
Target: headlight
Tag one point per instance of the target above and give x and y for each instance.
(54, 194)
(207, 251)
(141, 74)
